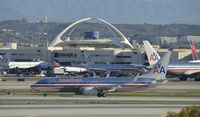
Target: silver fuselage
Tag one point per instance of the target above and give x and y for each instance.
(101, 83)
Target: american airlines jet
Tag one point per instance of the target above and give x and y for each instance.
(101, 85)
(131, 68)
(181, 69)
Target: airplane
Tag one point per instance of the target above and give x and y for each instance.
(181, 69)
(102, 85)
(105, 67)
(62, 70)
(22, 67)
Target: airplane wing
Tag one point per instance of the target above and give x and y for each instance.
(88, 90)
(189, 72)
(117, 67)
(134, 69)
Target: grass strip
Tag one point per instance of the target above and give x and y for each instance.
(71, 102)
(130, 94)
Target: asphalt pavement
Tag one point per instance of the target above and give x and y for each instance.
(84, 111)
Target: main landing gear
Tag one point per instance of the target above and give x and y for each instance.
(183, 78)
(45, 94)
(197, 78)
(101, 94)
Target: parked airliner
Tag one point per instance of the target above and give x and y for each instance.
(58, 69)
(181, 69)
(131, 68)
(20, 65)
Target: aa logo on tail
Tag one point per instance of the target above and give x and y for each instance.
(159, 69)
(154, 57)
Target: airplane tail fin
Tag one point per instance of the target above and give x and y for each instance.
(194, 51)
(159, 70)
(152, 55)
(55, 64)
(88, 59)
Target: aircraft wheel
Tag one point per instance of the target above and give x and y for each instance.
(98, 95)
(101, 94)
(197, 79)
(45, 95)
(183, 78)
(8, 93)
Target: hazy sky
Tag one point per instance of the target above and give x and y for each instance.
(115, 11)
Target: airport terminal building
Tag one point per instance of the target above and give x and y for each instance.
(70, 50)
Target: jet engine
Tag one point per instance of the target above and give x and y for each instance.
(88, 91)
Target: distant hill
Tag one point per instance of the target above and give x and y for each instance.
(116, 11)
(26, 32)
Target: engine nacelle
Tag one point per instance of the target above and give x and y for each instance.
(88, 91)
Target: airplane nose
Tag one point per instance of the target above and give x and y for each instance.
(33, 87)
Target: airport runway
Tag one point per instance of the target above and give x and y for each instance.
(137, 106)
(91, 106)
(84, 111)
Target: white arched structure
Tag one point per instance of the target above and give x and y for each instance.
(114, 30)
